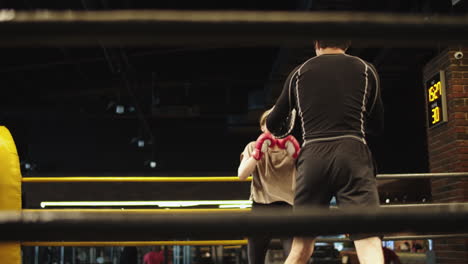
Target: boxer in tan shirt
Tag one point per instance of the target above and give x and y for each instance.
(271, 163)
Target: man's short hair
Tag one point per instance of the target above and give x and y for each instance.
(327, 43)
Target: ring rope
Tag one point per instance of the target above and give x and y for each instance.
(212, 242)
(217, 178)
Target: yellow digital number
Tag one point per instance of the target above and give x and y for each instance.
(435, 115)
(435, 91)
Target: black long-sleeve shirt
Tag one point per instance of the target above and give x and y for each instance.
(334, 96)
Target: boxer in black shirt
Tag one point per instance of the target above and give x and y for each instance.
(337, 100)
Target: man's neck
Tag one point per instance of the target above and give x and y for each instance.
(331, 51)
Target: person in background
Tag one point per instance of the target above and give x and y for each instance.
(156, 256)
(129, 255)
(390, 256)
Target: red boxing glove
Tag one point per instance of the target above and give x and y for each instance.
(291, 145)
(264, 141)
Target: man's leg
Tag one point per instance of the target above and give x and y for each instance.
(301, 251)
(369, 250)
(312, 190)
(357, 190)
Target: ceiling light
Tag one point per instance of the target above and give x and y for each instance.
(119, 109)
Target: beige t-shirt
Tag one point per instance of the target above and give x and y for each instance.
(274, 177)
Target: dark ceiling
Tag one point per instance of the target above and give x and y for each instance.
(195, 108)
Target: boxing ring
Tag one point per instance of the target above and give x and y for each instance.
(142, 227)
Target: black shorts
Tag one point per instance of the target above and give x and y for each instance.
(342, 168)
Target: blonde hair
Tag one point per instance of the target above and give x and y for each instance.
(264, 117)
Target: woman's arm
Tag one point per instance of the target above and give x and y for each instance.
(246, 167)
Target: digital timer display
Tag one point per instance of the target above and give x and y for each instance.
(435, 99)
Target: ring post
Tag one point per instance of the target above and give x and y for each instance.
(10, 191)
